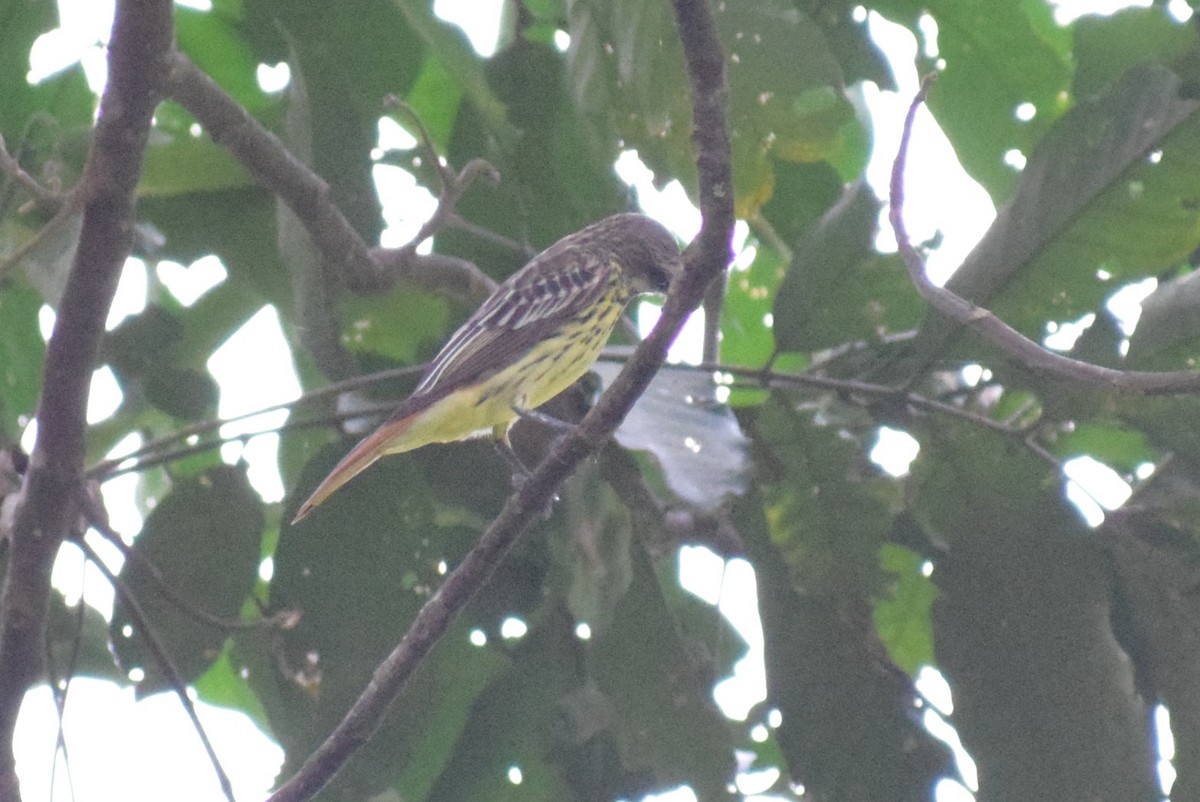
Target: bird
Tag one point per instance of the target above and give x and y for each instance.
(540, 331)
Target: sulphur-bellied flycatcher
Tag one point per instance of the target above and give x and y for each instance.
(540, 331)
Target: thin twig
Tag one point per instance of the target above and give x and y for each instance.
(12, 168)
(1012, 343)
(160, 655)
(108, 467)
(451, 185)
(60, 688)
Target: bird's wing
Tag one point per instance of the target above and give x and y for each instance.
(522, 312)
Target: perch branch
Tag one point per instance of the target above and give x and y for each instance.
(705, 260)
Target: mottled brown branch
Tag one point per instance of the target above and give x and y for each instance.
(141, 40)
(1024, 351)
(705, 260)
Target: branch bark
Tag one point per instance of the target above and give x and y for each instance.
(263, 155)
(140, 43)
(1012, 343)
(705, 260)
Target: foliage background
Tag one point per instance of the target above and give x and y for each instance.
(1057, 639)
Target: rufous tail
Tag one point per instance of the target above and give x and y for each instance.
(369, 449)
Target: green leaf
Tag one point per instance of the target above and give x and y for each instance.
(224, 685)
(1110, 188)
(214, 41)
(400, 326)
(746, 339)
(837, 288)
(21, 354)
(1118, 446)
(997, 56)
(435, 97)
(184, 166)
(902, 618)
(358, 569)
(798, 114)
(203, 539)
(454, 51)
(624, 70)
(65, 96)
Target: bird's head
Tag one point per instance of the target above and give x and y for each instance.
(646, 251)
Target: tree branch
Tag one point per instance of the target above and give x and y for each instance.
(705, 260)
(261, 153)
(1015, 345)
(141, 40)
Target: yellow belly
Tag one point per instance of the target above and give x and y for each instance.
(490, 407)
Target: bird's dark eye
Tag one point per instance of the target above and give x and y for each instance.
(660, 278)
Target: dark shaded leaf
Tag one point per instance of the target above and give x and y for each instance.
(830, 510)
(591, 550)
(203, 538)
(357, 570)
(1091, 197)
(1022, 628)
(77, 640)
(1106, 46)
(1169, 322)
(837, 288)
(1156, 608)
(849, 726)
(515, 722)
(667, 727)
